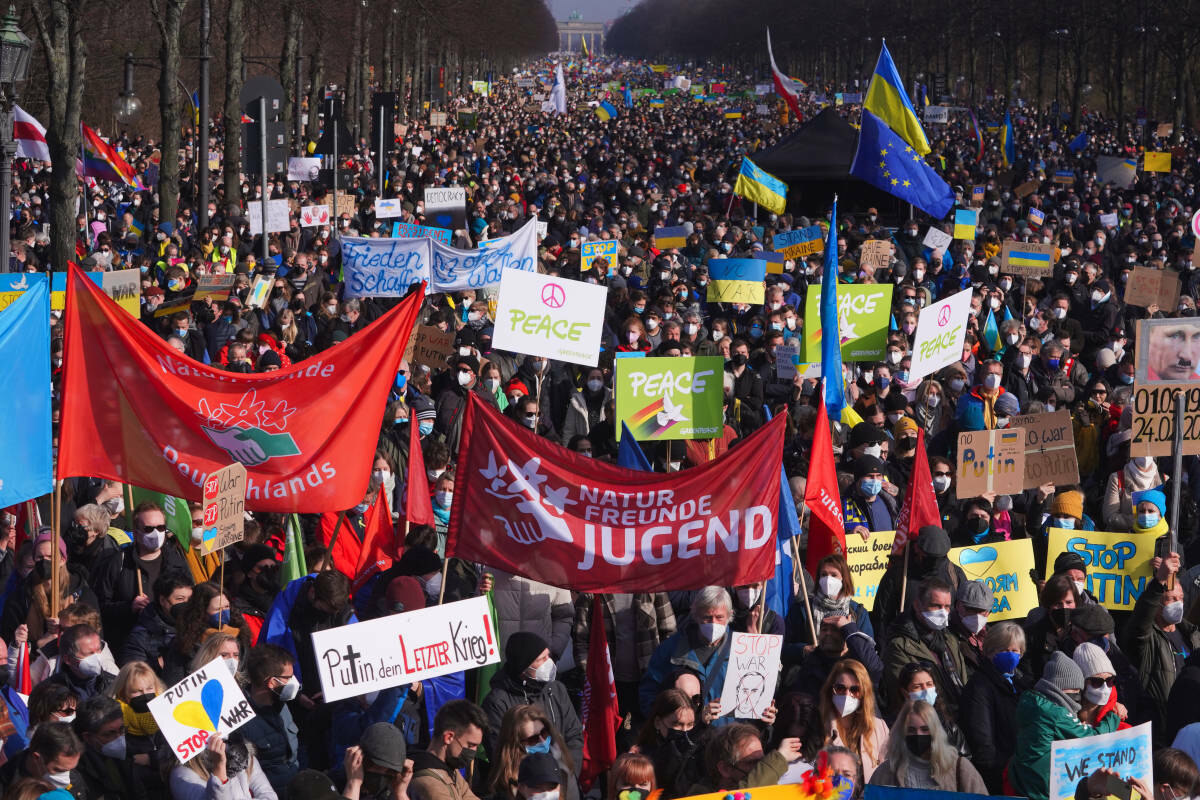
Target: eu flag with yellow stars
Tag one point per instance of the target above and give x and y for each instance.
(887, 162)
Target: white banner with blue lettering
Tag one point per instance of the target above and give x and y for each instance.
(388, 267)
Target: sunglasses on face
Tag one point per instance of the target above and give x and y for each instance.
(843, 689)
(151, 528)
(1099, 683)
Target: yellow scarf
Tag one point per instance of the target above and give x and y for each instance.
(138, 724)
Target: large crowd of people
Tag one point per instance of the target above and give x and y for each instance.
(923, 692)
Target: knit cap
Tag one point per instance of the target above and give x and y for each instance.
(1092, 660)
(1060, 671)
(1067, 504)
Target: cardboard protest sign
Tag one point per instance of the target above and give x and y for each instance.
(437, 119)
(1167, 358)
(1004, 567)
(1026, 258)
(941, 331)
(124, 286)
(260, 291)
(1109, 221)
(751, 676)
(977, 193)
(404, 648)
(278, 213)
(864, 313)
(800, 242)
(868, 561)
(1118, 564)
(1148, 286)
(787, 357)
(389, 208)
(937, 239)
(876, 254)
(991, 461)
(429, 346)
(546, 316)
(446, 207)
(1025, 189)
(1050, 455)
(1128, 752)
(312, 216)
(207, 702)
(303, 168)
(224, 508)
(670, 398)
(590, 251)
(344, 203)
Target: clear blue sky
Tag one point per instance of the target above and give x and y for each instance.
(592, 10)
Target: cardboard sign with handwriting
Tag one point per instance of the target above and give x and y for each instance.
(991, 461)
(1148, 286)
(876, 254)
(430, 347)
(1050, 455)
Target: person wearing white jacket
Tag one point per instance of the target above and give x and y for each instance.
(527, 605)
(223, 771)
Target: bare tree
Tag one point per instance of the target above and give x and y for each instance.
(168, 15)
(287, 67)
(60, 25)
(235, 41)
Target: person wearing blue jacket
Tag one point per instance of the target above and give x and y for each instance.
(701, 648)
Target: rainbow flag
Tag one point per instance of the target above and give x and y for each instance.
(102, 161)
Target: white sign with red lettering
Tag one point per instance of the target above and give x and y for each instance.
(404, 648)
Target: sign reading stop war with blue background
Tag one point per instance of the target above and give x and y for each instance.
(590, 251)
(1118, 564)
(863, 315)
(1129, 753)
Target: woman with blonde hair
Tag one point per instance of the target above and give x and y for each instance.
(30, 604)
(224, 645)
(136, 685)
(919, 756)
(525, 730)
(848, 714)
(224, 770)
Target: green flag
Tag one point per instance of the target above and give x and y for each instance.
(294, 565)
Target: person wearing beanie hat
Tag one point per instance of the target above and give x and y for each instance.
(1150, 508)
(1072, 565)
(384, 762)
(1066, 510)
(1007, 407)
(426, 566)
(528, 675)
(866, 506)
(1099, 682)
(1138, 474)
(1045, 714)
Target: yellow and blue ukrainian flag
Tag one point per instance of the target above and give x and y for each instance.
(887, 162)
(657, 102)
(965, 220)
(888, 101)
(736, 280)
(1029, 258)
(606, 111)
(760, 186)
(1008, 147)
(666, 238)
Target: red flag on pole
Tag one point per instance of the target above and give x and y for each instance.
(379, 545)
(418, 507)
(920, 504)
(826, 526)
(601, 715)
(347, 548)
(24, 683)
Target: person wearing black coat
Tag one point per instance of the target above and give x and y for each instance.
(988, 704)
(20, 602)
(519, 682)
(154, 631)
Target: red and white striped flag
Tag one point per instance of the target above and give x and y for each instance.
(29, 135)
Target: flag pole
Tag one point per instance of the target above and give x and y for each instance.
(55, 556)
(904, 579)
(812, 625)
(129, 505)
(332, 539)
(442, 590)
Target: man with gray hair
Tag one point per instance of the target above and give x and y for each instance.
(698, 653)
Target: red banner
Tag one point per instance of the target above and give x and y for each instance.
(531, 507)
(138, 411)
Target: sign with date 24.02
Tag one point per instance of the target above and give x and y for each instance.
(1154, 420)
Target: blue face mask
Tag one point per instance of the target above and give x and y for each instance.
(401, 382)
(1006, 661)
(425, 427)
(1052, 363)
(929, 695)
(882, 382)
(871, 486)
(1066, 523)
(1148, 520)
(541, 747)
(639, 309)
(755, 331)
(220, 618)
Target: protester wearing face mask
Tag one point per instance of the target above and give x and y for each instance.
(1150, 517)
(1049, 713)
(1157, 639)
(123, 585)
(528, 675)
(977, 408)
(81, 668)
(587, 406)
(989, 702)
(849, 716)
(27, 610)
(206, 613)
(832, 601)
(669, 734)
(271, 685)
(1099, 684)
(539, 777)
(53, 756)
(106, 770)
(749, 613)
(867, 507)
(923, 635)
(921, 754)
(155, 630)
(458, 730)
(931, 409)
(1140, 474)
(972, 607)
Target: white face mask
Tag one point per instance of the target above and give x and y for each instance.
(932, 400)
(464, 378)
(873, 450)
(747, 595)
(711, 631)
(941, 483)
(1059, 312)
(1097, 696)
(290, 689)
(492, 384)
(550, 795)
(956, 384)
(991, 381)
(114, 506)
(380, 476)
(845, 704)
(831, 586)
(152, 540)
(1024, 360)
(59, 779)
(595, 385)
(197, 534)
(546, 672)
(433, 586)
(1173, 612)
(974, 622)
(90, 666)
(718, 335)
(1080, 587)
(937, 619)
(443, 499)
(232, 664)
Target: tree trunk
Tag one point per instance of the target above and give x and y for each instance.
(60, 25)
(364, 88)
(168, 16)
(287, 69)
(316, 80)
(354, 98)
(235, 40)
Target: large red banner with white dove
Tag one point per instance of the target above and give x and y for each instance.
(530, 507)
(138, 411)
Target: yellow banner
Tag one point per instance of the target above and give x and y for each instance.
(1157, 162)
(868, 561)
(1118, 564)
(1005, 567)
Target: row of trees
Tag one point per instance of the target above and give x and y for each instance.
(362, 46)
(1119, 55)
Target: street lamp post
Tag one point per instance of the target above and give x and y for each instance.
(127, 106)
(14, 68)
